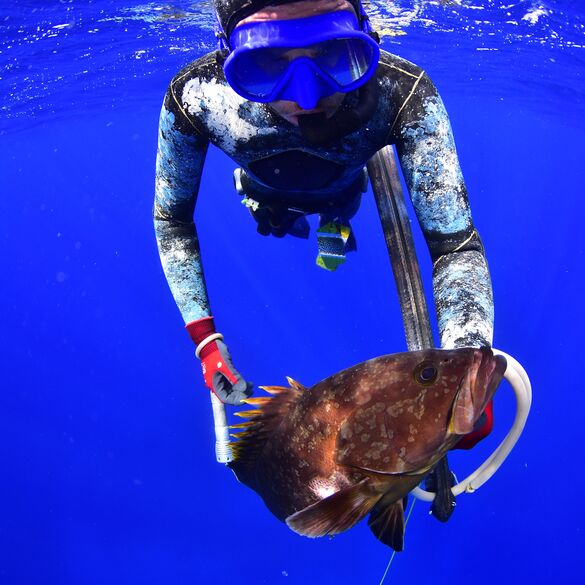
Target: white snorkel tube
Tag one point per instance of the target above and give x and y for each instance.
(518, 379)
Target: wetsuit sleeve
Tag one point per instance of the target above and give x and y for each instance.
(179, 165)
(461, 280)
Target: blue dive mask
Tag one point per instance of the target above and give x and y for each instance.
(301, 60)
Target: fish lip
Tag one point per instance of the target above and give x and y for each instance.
(486, 372)
(476, 388)
(492, 370)
(464, 410)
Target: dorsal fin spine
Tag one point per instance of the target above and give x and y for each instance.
(294, 384)
(273, 389)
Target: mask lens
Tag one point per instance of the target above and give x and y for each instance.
(344, 60)
(259, 70)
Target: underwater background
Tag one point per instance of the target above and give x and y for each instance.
(107, 467)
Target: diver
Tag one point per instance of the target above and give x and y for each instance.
(300, 95)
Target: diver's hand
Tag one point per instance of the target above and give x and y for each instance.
(220, 375)
(218, 370)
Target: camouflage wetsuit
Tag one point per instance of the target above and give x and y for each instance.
(200, 108)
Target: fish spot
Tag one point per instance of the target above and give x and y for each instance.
(413, 431)
(365, 437)
(346, 432)
(362, 398)
(395, 410)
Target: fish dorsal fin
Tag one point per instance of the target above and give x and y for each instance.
(387, 523)
(336, 513)
(264, 418)
(296, 385)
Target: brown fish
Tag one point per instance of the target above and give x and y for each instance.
(322, 458)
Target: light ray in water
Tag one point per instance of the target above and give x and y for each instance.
(394, 552)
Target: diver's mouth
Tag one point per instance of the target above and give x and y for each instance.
(301, 113)
(307, 112)
(293, 117)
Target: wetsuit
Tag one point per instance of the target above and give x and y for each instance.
(279, 165)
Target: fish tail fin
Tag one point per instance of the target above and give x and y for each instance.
(336, 513)
(387, 523)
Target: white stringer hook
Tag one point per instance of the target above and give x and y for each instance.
(518, 379)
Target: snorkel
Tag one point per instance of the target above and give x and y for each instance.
(256, 69)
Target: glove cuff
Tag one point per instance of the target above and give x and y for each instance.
(201, 329)
(208, 346)
(204, 336)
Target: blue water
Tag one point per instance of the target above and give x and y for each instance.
(106, 455)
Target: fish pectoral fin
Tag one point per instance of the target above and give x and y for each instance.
(336, 513)
(387, 524)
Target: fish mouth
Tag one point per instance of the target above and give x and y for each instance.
(476, 389)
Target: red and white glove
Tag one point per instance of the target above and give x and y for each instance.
(218, 371)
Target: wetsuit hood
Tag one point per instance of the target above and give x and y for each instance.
(230, 12)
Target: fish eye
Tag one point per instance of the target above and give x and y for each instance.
(425, 373)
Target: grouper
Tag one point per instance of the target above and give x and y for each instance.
(358, 442)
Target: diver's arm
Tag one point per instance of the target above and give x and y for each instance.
(179, 166)
(461, 280)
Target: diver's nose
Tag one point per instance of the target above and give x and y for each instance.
(306, 86)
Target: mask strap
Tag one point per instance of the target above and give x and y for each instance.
(222, 42)
(366, 25)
